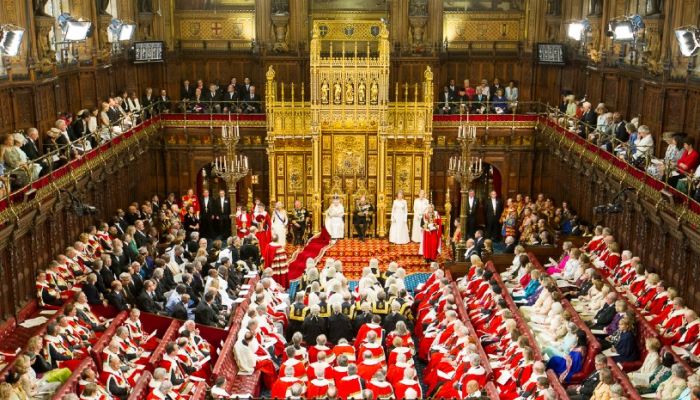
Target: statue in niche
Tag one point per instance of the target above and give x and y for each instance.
(349, 93)
(145, 6)
(280, 7)
(39, 7)
(337, 93)
(418, 8)
(374, 93)
(653, 7)
(596, 7)
(102, 6)
(361, 98)
(324, 92)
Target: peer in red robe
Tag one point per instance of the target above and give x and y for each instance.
(318, 388)
(350, 385)
(263, 222)
(280, 389)
(432, 235)
(244, 221)
(369, 366)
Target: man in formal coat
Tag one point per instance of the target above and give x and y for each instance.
(472, 207)
(212, 99)
(230, 99)
(605, 315)
(206, 214)
(221, 215)
(251, 102)
(186, 91)
(31, 149)
(204, 313)
(146, 300)
(494, 208)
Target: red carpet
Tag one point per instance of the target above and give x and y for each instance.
(356, 254)
(313, 249)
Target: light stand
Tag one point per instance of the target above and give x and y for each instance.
(231, 167)
(465, 169)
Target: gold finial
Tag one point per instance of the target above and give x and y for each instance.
(428, 73)
(270, 73)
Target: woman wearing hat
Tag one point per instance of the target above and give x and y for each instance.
(657, 167)
(55, 143)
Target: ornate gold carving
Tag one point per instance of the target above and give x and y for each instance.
(349, 153)
(295, 173)
(460, 28)
(235, 26)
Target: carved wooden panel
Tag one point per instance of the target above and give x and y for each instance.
(6, 117)
(674, 108)
(610, 91)
(24, 107)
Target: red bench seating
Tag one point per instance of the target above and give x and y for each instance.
(226, 364)
(141, 389)
(556, 386)
(200, 392)
(169, 335)
(71, 385)
(464, 317)
(622, 378)
(103, 342)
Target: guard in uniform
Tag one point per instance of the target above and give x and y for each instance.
(324, 308)
(297, 315)
(362, 217)
(300, 220)
(381, 307)
(348, 308)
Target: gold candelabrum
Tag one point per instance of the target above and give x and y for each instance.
(231, 167)
(465, 168)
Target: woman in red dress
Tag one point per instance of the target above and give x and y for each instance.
(432, 234)
(262, 221)
(190, 199)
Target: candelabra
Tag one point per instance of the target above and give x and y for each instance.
(231, 167)
(465, 168)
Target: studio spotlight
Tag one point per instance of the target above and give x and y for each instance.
(688, 40)
(73, 30)
(625, 29)
(577, 30)
(10, 39)
(121, 31)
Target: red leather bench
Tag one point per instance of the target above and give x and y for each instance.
(200, 392)
(103, 342)
(464, 317)
(141, 389)
(556, 386)
(71, 385)
(622, 378)
(169, 335)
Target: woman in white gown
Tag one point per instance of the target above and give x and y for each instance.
(279, 223)
(420, 204)
(334, 223)
(398, 232)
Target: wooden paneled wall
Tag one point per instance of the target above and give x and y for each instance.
(38, 103)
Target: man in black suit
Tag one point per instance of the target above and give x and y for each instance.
(146, 300)
(510, 245)
(204, 313)
(221, 215)
(148, 100)
(471, 249)
(472, 207)
(479, 241)
(589, 120)
(339, 326)
(606, 314)
(230, 99)
(106, 271)
(112, 112)
(91, 291)
(447, 101)
(31, 149)
(245, 87)
(140, 235)
(251, 102)
(163, 102)
(117, 297)
(206, 215)
(584, 391)
(250, 253)
(180, 308)
(494, 208)
(136, 278)
(186, 91)
(212, 99)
